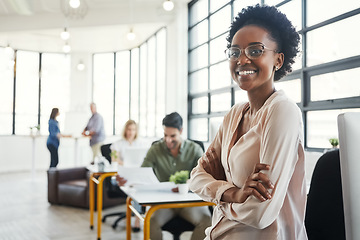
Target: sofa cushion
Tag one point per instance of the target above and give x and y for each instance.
(73, 193)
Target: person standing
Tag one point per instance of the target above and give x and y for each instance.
(254, 170)
(95, 130)
(53, 141)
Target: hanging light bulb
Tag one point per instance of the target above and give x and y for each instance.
(168, 5)
(9, 51)
(80, 66)
(66, 48)
(65, 35)
(131, 35)
(74, 3)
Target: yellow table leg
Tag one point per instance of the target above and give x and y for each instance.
(100, 199)
(91, 200)
(154, 208)
(128, 218)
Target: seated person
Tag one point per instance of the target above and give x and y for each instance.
(129, 139)
(166, 157)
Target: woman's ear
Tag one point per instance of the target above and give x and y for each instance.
(279, 60)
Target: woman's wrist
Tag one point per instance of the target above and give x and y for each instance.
(230, 195)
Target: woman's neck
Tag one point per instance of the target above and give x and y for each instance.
(258, 98)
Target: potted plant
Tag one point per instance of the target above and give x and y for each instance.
(38, 129)
(334, 142)
(114, 158)
(180, 179)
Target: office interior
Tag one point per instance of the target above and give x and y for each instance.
(175, 62)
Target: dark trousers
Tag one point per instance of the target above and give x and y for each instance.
(54, 157)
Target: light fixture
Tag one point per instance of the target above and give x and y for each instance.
(168, 5)
(74, 3)
(65, 35)
(74, 9)
(66, 48)
(131, 35)
(80, 66)
(9, 51)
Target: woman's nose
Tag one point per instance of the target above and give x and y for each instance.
(243, 59)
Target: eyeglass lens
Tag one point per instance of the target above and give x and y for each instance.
(252, 52)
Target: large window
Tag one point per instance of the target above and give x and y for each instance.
(55, 88)
(32, 83)
(27, 91)
(103, 94)
(6, 90)
(136, 86)
(324, 80)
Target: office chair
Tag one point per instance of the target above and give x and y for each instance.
(324, 217)
(112, 189)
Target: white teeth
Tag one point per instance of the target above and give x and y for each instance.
(246, 72)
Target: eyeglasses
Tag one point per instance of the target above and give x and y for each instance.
(252, 52)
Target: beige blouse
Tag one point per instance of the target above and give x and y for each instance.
(276, 138)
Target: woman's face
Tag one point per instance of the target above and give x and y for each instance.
(254, 74)
(130, 132)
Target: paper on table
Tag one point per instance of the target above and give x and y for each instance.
(161, 186)
(138, 175)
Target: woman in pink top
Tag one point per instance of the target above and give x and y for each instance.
(254, 169)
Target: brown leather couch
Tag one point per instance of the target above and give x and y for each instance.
(71, 187)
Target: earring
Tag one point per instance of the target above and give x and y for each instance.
(276, 68)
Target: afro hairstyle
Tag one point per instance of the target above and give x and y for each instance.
(280, 30)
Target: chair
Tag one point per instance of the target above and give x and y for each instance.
(177, 225)
(349, 138)
(106, 151)
(112, 189)
(324, 218)
(70, 187)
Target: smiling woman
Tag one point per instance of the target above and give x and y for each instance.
(254, 169)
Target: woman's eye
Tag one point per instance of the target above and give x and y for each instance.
(234, 54)
(255, 52)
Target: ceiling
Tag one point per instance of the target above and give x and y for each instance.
(36, 24)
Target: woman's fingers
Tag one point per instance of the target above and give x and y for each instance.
(264, 179)
(212, 164)
(261, 166)
(258, 188)
(254, 192)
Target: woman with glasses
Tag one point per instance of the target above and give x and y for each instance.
(254, 168)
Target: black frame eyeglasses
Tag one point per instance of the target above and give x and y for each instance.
(251, 52)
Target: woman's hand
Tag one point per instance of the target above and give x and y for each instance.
(257, 184)
(212, 165)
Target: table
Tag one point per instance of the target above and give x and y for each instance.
(108, 172)
(155, 200)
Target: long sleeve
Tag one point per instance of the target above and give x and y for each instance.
(279, 148)
(275, 137)
(204, 183)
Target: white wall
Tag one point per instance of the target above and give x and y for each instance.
(17, 151)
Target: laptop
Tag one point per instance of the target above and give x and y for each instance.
(134, 156)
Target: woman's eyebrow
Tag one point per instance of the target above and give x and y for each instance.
(252, 43)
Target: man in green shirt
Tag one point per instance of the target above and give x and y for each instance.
(167, 156)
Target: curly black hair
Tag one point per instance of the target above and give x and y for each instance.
(279, 27)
